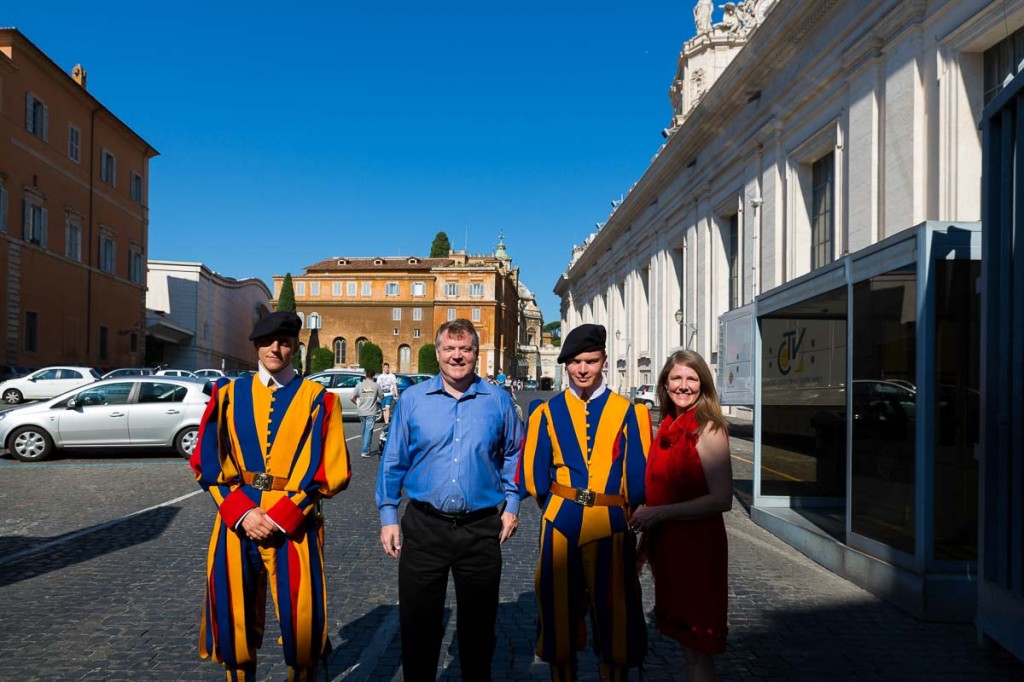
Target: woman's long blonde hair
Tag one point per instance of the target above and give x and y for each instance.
(709, 411)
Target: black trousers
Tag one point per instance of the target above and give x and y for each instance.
(431, 547)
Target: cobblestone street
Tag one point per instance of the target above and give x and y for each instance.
(89, 591)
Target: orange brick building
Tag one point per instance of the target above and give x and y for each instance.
(74, 218)
(399, 302)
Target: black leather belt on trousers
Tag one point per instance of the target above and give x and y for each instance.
(454, 519)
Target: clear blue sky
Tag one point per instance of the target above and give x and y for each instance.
(292, 132)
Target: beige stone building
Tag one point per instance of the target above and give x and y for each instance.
(398, 302)
(74, 218)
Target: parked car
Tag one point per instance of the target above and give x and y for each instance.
(115, 413)
(209, 373)
(239, 373)
(530, 385)
(128, 372)
(342, 383)
(646, 395)
(46, 383)
(419, 378)
(175, 373)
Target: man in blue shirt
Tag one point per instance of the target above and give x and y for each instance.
(454, 447)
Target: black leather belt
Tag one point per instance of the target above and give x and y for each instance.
(457, 519)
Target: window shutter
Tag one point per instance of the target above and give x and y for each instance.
(28, 111)
(3, 209)
(26, 222)
(42, 236)
(46, 123)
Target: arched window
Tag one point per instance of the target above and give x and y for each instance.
(313, 321)
(404, 358)
(302, 318)
(340, 347)
(359, 346)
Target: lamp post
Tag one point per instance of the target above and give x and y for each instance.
(685, 326)
(625, 361)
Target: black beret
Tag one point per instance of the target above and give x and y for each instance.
(583, 339)
(280, 323)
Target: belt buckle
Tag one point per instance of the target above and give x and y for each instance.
(262, 481)
(585, 497)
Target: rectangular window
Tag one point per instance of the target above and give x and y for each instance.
(733, 251)
(133, 342)
(37, 117)
(74, 144)
(31, 332)
(476, 290)
(1002, 61)
(367, 289)
(3, 209)
(475, 315)
(108, 254)
(73, 237)
(415, 333)
(108, 168)
(314, 288)
(419, 289)
(336, 289)
(417, 314)
(451, 314)
(391, 289)
(451, 289)
(135, 266)
(35, 224)
(136, 187)
(395, 331)
(396, 314)
(103, 343)
(822, 221)
(351, 288)
(300, 288)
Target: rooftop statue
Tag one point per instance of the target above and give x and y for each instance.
(702, 16)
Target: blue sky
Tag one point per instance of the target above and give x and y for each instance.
(293, 132)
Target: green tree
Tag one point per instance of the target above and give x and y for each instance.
(441, 246)
(427, 360)
(555, 328)
(286, 301)
(371, 357)
(323, 358)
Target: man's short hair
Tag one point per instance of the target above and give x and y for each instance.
(370, 374)
(458, 328)
(386, 365)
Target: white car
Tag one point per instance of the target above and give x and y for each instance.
(209, 373)
(176, 373)
(112, 413)
(342, 383)
(46, 383)
(646, 395)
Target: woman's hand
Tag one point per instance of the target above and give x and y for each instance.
(645, 518)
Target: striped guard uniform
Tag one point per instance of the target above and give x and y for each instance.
(294, 433)
(587, 553)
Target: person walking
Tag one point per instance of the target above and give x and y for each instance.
(689, 486)
(366, 396)
(584, 461)
(389, 386)
(270, 448)
(453, 446)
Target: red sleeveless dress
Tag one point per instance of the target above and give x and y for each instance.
(688, 559)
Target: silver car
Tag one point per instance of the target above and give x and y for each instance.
(116, 413)
(342, 383)
(46, 383)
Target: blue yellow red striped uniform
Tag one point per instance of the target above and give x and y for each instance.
(587, 555)
(294, 432)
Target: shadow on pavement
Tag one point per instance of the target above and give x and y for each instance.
(23, 558)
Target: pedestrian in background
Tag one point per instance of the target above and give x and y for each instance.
(270, 447)
(453, 446)
(389, 386)
(366, 396)
(584, 460)
(689, 486)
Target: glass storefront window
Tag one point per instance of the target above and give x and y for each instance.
(803, 398)
(884, 406)
(957, 356)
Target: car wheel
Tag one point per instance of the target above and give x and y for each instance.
(30, 444)
(12, 396)
(185, 441)
(648, 404)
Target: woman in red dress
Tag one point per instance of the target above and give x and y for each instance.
(689, 485)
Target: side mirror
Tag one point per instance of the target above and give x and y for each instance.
(32, 379)
(72, 404)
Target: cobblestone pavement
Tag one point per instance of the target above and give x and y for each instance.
(102, 566)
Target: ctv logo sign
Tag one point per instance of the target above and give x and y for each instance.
(789, 350)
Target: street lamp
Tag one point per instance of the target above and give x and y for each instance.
(686, 325)
(625, 361)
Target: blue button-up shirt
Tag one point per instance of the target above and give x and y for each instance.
(456, 454)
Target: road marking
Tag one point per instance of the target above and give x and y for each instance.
(93, 529)
(774, 471)
(379, 643)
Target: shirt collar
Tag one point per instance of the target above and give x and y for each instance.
(436, 385)
(596, 393)
(282, 378)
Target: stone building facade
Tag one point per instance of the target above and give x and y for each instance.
(74, 218)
